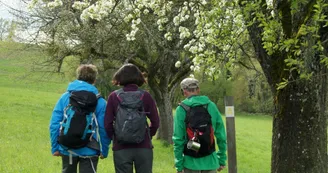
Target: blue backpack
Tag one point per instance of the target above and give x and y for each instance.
(79, 122)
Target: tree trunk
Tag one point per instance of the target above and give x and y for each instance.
(299, 138)
(165, 108)
(299, 141)
(163, 97)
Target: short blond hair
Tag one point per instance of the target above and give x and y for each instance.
(87, 73)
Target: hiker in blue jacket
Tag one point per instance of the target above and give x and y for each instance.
(86, 157)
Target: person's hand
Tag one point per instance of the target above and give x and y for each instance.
(221, 168)
(101, 156)
(56, 153)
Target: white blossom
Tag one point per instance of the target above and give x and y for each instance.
(152, 5)
(137, 12)
(209, 31)
(197, 68)
(161, 12)
(204, 2)
(194, 60)
(140, 6)
(196, 15)
(128, 18)
(54, 4)
(146, 11)
(129, 8)
(177, 64)
(162, 21)
(168, 36)
(160, 28)
(85, 15)
(193, 49)
(176, 20)
(138, 21)
(192, 68)
(159, 22)
(108, 4)
(96, 11)
(31, 4)
(184, 32)
(130, 37)
(187, 46)
(186, 17)
(103, 13)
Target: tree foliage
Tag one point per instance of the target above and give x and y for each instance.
(4, 24)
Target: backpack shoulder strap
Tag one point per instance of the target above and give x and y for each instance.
(185, 107)
(141, 90)
(205, 106)
(118, 92)
(142, 93)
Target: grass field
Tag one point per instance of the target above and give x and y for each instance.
(26, 103)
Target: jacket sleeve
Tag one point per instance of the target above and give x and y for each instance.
(153, 113)
(219, 133)
(104, 139)
(56, 118)
(110, 115)
(179, 137)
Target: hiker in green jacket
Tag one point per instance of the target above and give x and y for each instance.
(197, 122)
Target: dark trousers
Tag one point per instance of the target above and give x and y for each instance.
(86, 165)
(193, 171)
(141, 158)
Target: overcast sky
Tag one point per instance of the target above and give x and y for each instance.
(4, 7)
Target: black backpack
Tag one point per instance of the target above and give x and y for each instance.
(79, 123)
(199, 128)
(130, 121)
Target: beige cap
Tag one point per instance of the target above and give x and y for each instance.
(189, 83)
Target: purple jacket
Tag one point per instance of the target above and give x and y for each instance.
(149, 106)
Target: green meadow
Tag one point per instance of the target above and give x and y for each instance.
(26, 102)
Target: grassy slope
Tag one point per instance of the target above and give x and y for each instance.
(27, 100)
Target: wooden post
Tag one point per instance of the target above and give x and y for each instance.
(231, 134)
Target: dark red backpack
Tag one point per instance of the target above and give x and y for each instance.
(199, 129)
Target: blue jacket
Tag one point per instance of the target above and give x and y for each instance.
(58, 114)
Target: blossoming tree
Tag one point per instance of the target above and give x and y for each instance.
(166, 39)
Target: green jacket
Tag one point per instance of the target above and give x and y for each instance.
(210, 162)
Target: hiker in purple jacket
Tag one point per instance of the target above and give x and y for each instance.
(126, 150)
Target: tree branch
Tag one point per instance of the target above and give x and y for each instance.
(180, 75)
(286, 20)
(304, 15)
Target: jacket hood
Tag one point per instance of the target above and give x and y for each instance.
(79, 85)
(196, 100)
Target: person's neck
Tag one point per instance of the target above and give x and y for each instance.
(192, 94)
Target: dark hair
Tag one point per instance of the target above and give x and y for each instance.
(128, 74)
(87, 73)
